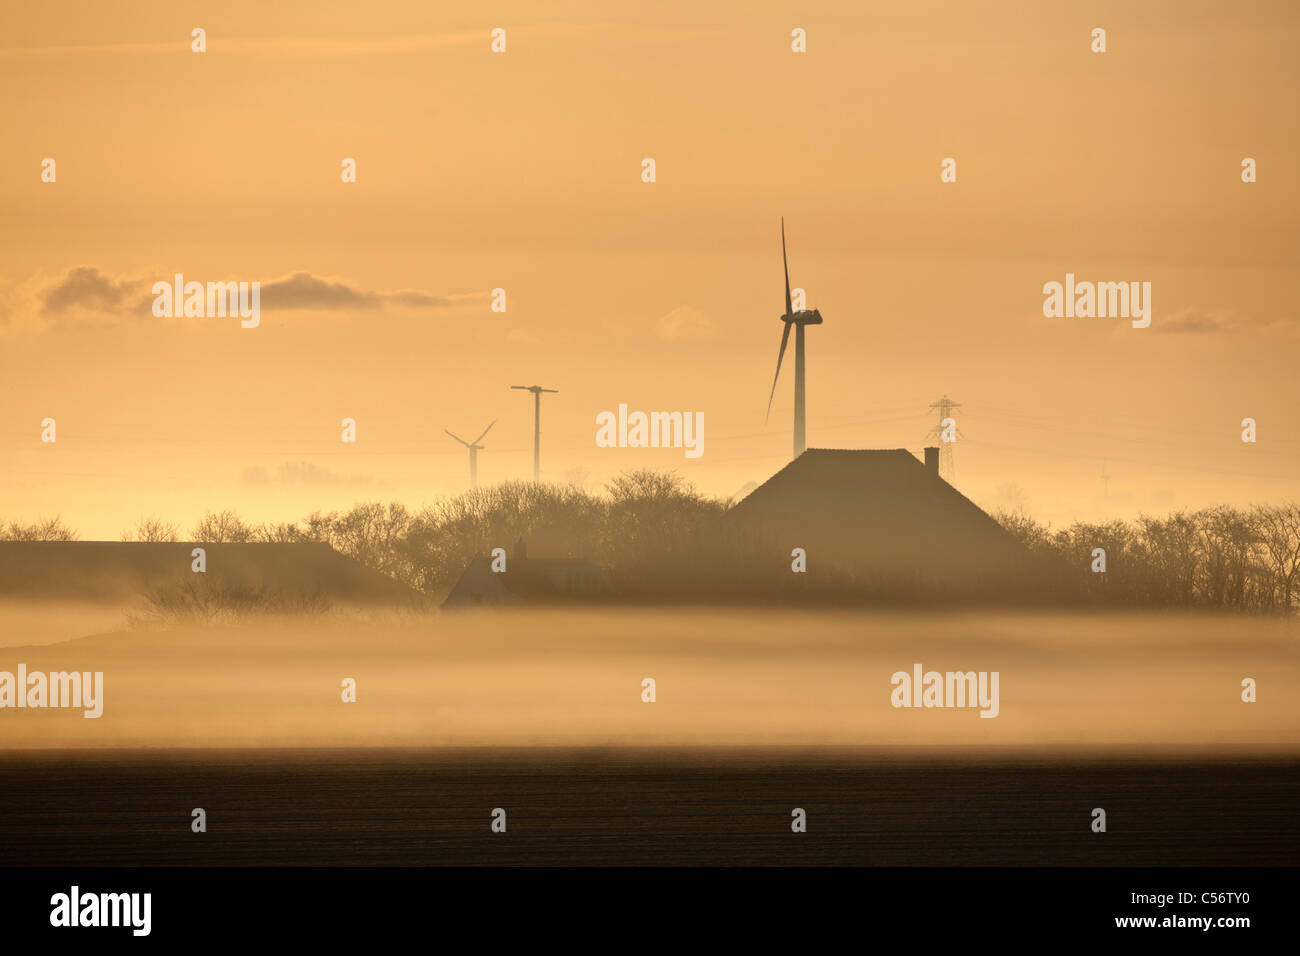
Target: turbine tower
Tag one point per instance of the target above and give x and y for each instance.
(798, 320)
(474, 448)
(537, 391)
(944, 406)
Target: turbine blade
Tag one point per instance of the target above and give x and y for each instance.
(785, 337)
(458, 438)
(789, 308)
(485, 431)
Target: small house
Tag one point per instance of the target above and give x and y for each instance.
(520, 579)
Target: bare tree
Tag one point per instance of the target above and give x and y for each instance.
(1031, 533)
(1279, 532)
(43, 529)
(152, 529)
(373, 534)
(222, 527)
(285, 532)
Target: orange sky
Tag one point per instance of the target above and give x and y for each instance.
(522, 171)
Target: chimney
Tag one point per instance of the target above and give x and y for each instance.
(521, 549)
(932, 461)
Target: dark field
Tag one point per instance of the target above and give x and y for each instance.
(640, 806)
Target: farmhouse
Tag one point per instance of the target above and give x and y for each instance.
(115, 571)
(884, 517)
(526, 580)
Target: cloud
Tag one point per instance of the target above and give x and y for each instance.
(1285, 325)
(683, 324)
(85, 287)
(1193, 323)
(302, 473)
(88, 294)
(1190, 322)
(307, 292)
(302, 290)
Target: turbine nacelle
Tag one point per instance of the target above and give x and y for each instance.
(474, 448)
(538, 391)
(806, 317)
(472, 445)
(797, 321)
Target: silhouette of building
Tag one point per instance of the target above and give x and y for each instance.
(886, 519)
(526, 580)
(125, 570)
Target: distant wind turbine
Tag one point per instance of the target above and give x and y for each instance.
(537, 391)
(474, 448)
(798, 320)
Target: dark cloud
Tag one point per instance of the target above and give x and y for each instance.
(85, 287)
(302, 290)
(414, 299)
(1193, 323)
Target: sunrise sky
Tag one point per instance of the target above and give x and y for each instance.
(523, 171)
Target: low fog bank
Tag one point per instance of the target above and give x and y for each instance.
(1066, 682)
(36, 622)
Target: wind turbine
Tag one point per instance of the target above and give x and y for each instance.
(473, 447)
(798, 320)
(537, 391)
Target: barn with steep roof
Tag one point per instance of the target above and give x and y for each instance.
(884, 518)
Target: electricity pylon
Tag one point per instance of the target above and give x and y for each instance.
(946, 436)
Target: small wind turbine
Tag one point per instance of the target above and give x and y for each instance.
(798, 320)
(537, 391)
(473, 447)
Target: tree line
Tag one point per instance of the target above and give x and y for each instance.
(655, 536)
(1221, 558)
